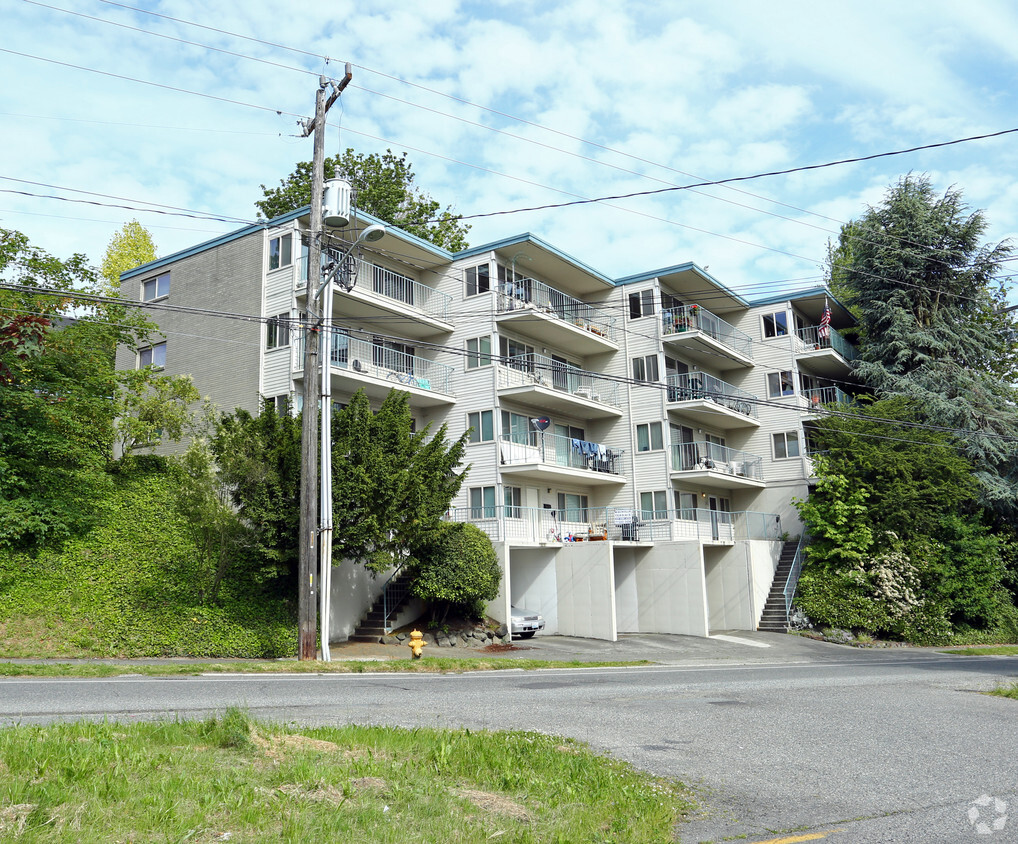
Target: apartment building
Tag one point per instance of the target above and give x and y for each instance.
(635, 443)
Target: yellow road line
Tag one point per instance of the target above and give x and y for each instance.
(813, 836)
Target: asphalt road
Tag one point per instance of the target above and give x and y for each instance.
(798, 739)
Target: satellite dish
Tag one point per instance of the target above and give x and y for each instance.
(541, 423)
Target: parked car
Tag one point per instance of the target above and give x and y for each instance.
(525, 623)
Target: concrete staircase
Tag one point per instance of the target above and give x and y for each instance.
(372, 626)
(773, 619)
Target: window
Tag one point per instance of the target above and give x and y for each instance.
(280, 251)
(277, 331)
(780, 384)
(641, 304)
(154, 356)
(649, 437)
(391, 284)
(645, 368)
(668, 301)
(516, 428)
(280, 404)
(482, 502)
(654, 505)
(786, 444)
(482, 426)
(478, 352)
(155, 288)
(572, 507)
(517, 355)
(776, 324)
(685, 503)
(478, 280)
(512, 497)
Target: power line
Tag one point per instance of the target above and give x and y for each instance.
(505, 360)
(147, 82)
(493, 129)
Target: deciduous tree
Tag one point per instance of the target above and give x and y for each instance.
(383, 186)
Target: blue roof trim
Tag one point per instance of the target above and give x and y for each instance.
(527, 237)
(288, 217)
(680, 268)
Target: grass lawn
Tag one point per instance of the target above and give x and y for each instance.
(1007, 691)
(989, 650)
(231, 779)
(437, 665)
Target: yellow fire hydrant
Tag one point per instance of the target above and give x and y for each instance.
(416, 644)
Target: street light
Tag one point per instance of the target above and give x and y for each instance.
(372, 234)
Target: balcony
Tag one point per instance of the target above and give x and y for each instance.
(551, 317)
(824, 351)
(711, 401)
(716, 466)
(705, 338)
(532, 526)
(358, 364)
(551, 386)
(383, 294)
(817, 397)
(545, 458)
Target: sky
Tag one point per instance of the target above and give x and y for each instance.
(509, 105)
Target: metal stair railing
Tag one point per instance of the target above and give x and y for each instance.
(394, 593)
(793, 575)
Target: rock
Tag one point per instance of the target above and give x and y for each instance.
(503, 631)
(402, 637)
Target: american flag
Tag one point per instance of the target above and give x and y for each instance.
(824, 331)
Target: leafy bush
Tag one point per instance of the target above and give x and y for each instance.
(457, 570)
(127, 588)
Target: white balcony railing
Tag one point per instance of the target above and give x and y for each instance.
(815, 337)
(543, 371)
(376, 361)
(617, 524)
(827, 395)
(528, 293)
(535, 447)
(686, 318)
(691, 386)
(700, 456)
(392, 286)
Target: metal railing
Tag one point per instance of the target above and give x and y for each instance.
(391, 285)
(691, 386)
(394, 593)
(376, 361)
(528, 293)
(697, 318)
(558, 450)
(827, 395)
(698, 456)
(793, 575)
(403, 289)
(543, 371)
(815, 337)
(617, 524)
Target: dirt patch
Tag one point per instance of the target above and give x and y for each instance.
(373, 783)
(13, 818)
(494, 803)
(277, 747)
(501, 649)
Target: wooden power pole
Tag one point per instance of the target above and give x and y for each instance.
(307, 572)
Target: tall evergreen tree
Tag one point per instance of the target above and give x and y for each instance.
(929, 299)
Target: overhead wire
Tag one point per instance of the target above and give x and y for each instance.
(494, 129)
(310, 323)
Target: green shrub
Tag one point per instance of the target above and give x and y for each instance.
(458, 570)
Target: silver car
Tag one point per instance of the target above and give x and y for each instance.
(525, 623)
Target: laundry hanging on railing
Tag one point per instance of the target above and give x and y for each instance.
(589, 449)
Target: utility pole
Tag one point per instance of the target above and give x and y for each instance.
(308, 561)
